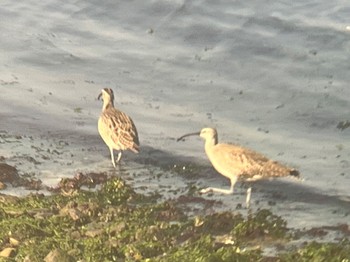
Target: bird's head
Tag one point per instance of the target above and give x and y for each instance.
(209, 133)
(106, 95)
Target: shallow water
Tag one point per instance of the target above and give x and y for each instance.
(271, 76)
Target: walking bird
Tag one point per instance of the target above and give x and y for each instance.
(233, 161)
(116, 128)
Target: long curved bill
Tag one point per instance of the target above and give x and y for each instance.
(99, 96)
(190, 134)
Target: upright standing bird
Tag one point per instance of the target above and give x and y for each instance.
(233, 161)
(117, 129)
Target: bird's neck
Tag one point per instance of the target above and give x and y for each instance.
(210, 142)
(107, 104)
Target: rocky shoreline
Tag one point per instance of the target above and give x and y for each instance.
(114, 223)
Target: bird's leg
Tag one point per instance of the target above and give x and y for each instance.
(247, 200)
(119, 156)
(233, 182)
(112, 156)
(219, 190)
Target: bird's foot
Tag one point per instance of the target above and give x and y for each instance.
(217, 190)
(206, 190)
(117, 165)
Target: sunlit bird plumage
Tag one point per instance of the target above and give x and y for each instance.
(116, 128)
(233, 161)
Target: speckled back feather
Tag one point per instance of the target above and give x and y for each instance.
(230, 159)
(116, 128)
(119, 130)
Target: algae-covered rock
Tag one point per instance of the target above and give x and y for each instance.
(8, 173)
(2, 185)
(58, 255)
(117, 224)
(7, 252)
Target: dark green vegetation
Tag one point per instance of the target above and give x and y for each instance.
(343, 125)
(116, 224)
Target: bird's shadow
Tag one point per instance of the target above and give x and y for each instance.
(152, 156)
(295, 191)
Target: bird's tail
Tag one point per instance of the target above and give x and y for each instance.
(275, 169)
(135, 148)
(295, 174)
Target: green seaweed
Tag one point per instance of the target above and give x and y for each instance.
(261, 224)
(117, 224)
(321, 252)
(77, 110)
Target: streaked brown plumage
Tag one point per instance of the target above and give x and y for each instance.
(117, 129)
(233, 161)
